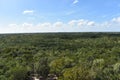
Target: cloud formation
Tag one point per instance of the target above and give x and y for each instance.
(58, 24)
(116, 19)
(75, 1)
(72, 22)
(28, 12)
(46, 24)
(80, 25)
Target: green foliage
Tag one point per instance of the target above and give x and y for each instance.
(70, 56)
(18, 73)
(59, 64)
(77, 73)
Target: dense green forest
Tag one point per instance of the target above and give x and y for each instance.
(70, 56)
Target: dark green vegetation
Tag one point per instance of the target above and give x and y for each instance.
(71, 56)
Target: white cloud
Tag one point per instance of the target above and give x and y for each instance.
(27, 25)
(28, 12)
(47, 24)
(75, 1)
(116, 19)
(18, 28)
(82, 22)
(80, 25)
(72, 22)
(12, 25)
(91, 23)
(58, 24)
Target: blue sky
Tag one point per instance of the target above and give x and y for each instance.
(19, 16)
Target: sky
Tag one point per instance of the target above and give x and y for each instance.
(29, 16)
